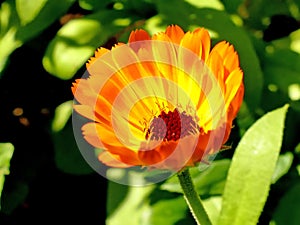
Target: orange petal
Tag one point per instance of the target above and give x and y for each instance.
(161, 36)
(209, 143)
(112, 88)
(175, 33)
(112, 160)
(98, 53)
(103, 109)
(206, 42)
(107, 137)
(238, 99)
(154, 153)
(165, 56)
(233, 83)
(127, 63)
(83, 92)
(101, 51)
(138, 35)
(150, 157)
(99, 134)
(197, 41)
(102, 136)
(235, 104)
(86, 111)
(200, 148)
(91, 135)
(192, 41)
(172, 155)
(93, 106)
(228, 54)
(215, 63)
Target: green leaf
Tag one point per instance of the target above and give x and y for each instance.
(116, 193)
(259, 10)
(146, 205)
(7, 45)
(22, 20)
(62, 114)
(14, 197)
(8, 30)
(214, 4)
(208, 182)
(232, 5)
(67, 155)
(77, 40)
(283, 165)
(28, 10)
(244, 119)
(128, 205)
(250, 174)
(282, 68)
(6, 152)
(212, 206)
(51, 11)
(93, 4)
(287, 211)
(169, 211)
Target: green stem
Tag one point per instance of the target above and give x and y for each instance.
(192, 198)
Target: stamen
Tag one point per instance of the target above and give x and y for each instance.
(171, 126)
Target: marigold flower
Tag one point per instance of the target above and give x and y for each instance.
(165, 101)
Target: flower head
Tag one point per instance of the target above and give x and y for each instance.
(165, 101)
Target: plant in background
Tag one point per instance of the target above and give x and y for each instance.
(157, 106)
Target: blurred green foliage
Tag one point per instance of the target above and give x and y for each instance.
(259, 176)
(6, 152)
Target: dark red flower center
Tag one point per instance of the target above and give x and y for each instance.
(171, 126)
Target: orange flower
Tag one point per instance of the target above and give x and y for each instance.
(165, 101)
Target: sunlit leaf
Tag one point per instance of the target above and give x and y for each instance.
(28, 10)
(94, 4)
(22, 20)
(214, 4)
(8, 29)
(51, 11)
(146, 205)
(115, 196)
(208, 182)
(172, 209)
(250, 174)
(62, 115)
(6, 152)
(213, 207)
(152, 205)
(283, 165)
(169, 211)
(128, 205)
(77, 40)
(287, 211)
(7, 45)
